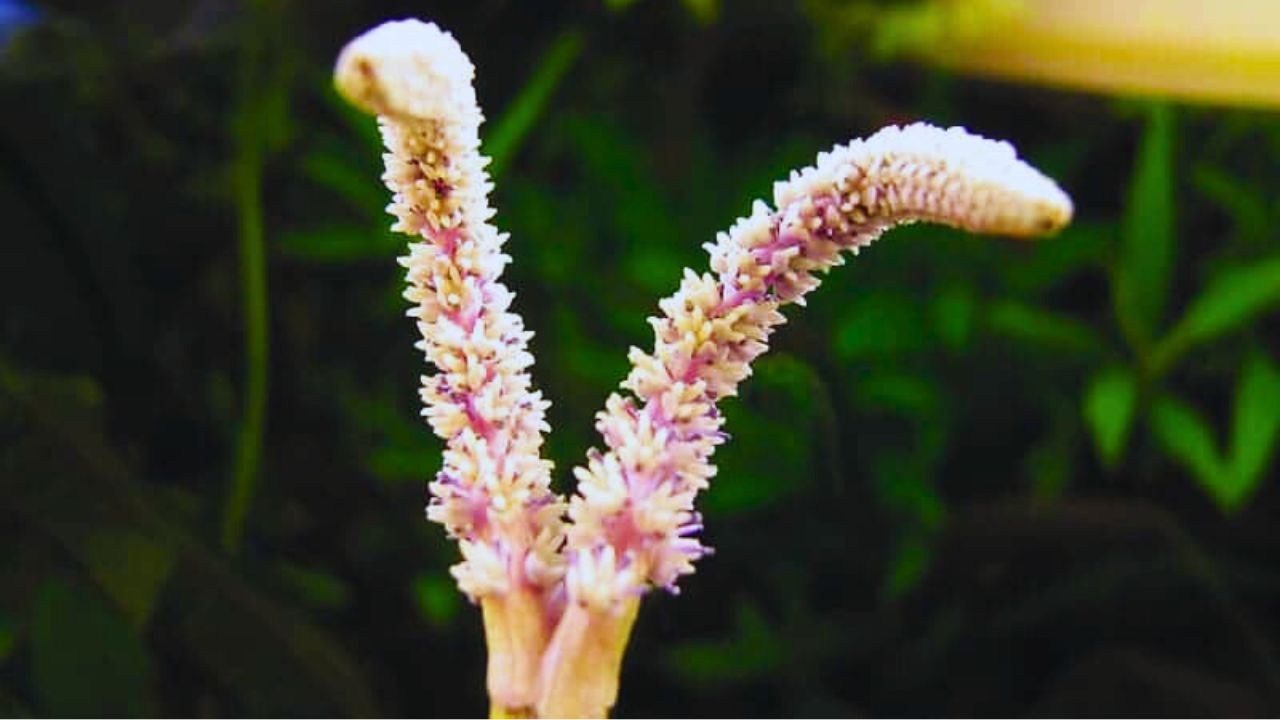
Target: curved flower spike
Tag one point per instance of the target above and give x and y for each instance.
(633, 520)
(493, 493)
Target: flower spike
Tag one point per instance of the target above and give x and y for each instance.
(633, 518)
(635, 499)
(493, 494)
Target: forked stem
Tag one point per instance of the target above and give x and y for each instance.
(633, 524)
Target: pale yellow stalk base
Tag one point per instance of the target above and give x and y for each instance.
(516, 632)
(497, 711)
(581, 666)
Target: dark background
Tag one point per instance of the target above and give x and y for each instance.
(974, 476)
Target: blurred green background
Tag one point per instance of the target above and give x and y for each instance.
(973, 477)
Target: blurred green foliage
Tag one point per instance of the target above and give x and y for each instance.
(972, 477)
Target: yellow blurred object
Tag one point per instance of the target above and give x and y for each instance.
(1222, 51)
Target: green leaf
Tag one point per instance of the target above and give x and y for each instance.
(1109, 405)
(1049, 464)
(774, 429)
(914, 396)
(911, 560)
(551, 235)
(919, 27)
(752, 652)
(704, 12)
(1051, 260)
(1245, 202)
(85, 659)
(1257, 424)
(1147, 232)
(879, 324)
(523, 112)
(905, 485)
(437, 597)
(905, 28)
(340, 244)
(650, 265)
(1188, 439)
(350, 181)
(591, 363)
(314, 587)
(131, 568)
(1230, 301)
(395, 464)
(631, 205)
(954, 308)
(1051, 461)
(363, 127)
(1037, 327)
